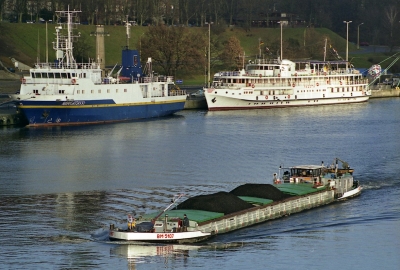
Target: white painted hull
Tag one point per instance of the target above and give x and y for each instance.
(218, 102)
(167, 237)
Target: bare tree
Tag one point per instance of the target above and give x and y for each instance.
(391, 19)
(173, 48)
(231, 53)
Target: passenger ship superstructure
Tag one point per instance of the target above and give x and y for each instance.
(272, 83)
(66, 92)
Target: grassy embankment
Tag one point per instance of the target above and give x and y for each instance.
(21, 41)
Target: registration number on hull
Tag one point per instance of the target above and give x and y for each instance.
(165, 235)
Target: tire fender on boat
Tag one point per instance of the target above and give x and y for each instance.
(266, 97)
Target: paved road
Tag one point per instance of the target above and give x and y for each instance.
(374, 49)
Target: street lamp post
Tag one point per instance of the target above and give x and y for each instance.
(281, 41)
(358, 36)
(347, 42)
(209, 51)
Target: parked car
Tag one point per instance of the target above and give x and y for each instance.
(198, 93)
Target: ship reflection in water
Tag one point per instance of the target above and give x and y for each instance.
(145, 253)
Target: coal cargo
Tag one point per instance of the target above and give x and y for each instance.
(221, 202)
(265, 191)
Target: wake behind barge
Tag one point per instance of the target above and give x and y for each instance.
(300, 188)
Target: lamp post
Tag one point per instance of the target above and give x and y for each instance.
(281, 41)
(358, 36)
(347, 42)
(47, 47)
(209, 51)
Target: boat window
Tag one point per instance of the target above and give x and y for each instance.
(64, 75)
(92, 91)
(57, 75)
(33, 75)
(83, 91)
(99, 91)
(78, 91)
(108, 90)
(44, 75)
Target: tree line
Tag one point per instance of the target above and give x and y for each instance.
(375, 20)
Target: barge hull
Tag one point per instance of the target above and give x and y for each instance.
(264, 213)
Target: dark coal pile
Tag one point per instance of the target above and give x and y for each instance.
(265, 191)
(222, 202)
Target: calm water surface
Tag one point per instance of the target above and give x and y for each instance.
(60, 188)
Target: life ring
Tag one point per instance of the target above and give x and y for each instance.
(340, 82)
(266, 97)
(279, 74)
(23, 80)
(293, 84)
(252, 85)
(295, 74)
(317, 84)
(73, 81)
(260, 75)
(288, 96)
(312, 71)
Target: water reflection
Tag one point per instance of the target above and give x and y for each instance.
(137, 253)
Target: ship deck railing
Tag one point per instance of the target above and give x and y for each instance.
(148, 79)
(300, 73)
(291, 83)
(177, 92)
(62, 65)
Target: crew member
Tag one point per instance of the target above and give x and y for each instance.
(130, 221)
(185, 223)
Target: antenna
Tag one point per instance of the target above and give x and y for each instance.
(38, 48)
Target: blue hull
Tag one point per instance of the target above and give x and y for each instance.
(46, 114)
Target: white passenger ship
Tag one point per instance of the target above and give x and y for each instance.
(267, 83)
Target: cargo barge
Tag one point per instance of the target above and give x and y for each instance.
(295, 189)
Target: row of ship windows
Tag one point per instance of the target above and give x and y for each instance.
(333, 90)
(98, 91)
(83, 91)
(55, 75)
(248, 82)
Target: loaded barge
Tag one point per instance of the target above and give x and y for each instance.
(295, 189)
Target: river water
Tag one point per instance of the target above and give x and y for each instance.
(60, 188)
